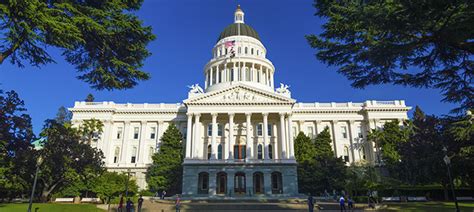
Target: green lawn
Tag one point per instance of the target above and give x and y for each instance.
(429, 206)
(48, 207)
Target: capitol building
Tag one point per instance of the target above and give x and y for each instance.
(238, 128)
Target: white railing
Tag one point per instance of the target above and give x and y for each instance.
(370, 103)
(127, 105)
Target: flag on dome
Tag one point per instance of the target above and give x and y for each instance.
(229, 43)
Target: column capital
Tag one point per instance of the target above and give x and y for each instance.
(197, 115)
(214, 115)
(248, 114)
(334, 121)
(351, 121)
(289, 114)
(189, 114)
(282, 114)
(143, 122)
(161, 122)
(126, 122)
(231, 114)
(300, 121)
(318, 121)
(265, 114)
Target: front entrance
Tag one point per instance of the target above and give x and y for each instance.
(221, 183)
(239, 183)
(239, 152)
(258, 183)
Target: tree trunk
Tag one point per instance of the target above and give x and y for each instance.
(446, 192)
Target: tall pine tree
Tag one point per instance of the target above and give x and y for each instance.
(166, 171)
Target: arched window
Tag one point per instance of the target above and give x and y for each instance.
(258, 183)
(134, 155)
(251, 51)
(239, 152)
(221, 182)
(257, 52)
(239, 183)
(346, 154)
(226, 51)
(246, 50)
(208, 151)
(362, 151)
(239, 50)
(203, 183)
(259, 152)
(232, 75)
(116, 154)
(270, 151)
(277, 187)
(219, 152)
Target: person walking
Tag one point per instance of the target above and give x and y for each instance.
(310, 203)
(342, 203)
(120, 207)
(178, 203)
(140, 203)
(163, 194)
(350, 203)
(129, 205)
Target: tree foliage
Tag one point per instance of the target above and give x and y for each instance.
(166, 171)
(318, 168)
(16, 154)
(112, 184)
(414, 43)
(104, 40)
(63, 116)
(89, 98)
(67, 160)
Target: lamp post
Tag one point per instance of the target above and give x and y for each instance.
(126, 184)
(38, 163)
(448, 162)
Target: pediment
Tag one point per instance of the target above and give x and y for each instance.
(239, 94)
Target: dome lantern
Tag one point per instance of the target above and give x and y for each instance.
(239, 15)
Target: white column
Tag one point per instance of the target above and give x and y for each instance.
(217, 74)
(274, 141)
(290, 136)
(231, 139)
(335, 135)
(282, 130)
(106, 141)
(214, 135)
(352, 136)
(265, 135)
(141, 143)
(159, 134)
(124, 148)
(197, 140)
(249, 139)
(189, 135)
(210, 74)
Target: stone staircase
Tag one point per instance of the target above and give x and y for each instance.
(289, 205)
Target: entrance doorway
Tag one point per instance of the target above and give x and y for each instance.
(221, 183)
(239, 152)
(239, 183)
(258, 183)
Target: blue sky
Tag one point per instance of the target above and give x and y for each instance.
(186, 32)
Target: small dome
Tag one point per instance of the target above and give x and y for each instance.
(233, 30)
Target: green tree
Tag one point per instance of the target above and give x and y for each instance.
(413, 43)
(104, 40)
(66, 159)
(304, 148)
(323, 144)
(90, 130)
(111, 184)
(166, 171)
(63, 115)
(17, 158)
(89, 98)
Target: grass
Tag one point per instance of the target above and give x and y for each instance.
(49, 207)
(429, 206)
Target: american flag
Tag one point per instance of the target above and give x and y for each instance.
(229, 44)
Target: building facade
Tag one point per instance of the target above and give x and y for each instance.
(239, 129)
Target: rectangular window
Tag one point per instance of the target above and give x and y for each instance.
(310, 132)
(152, 132)
(259, 129)
(135, 132)
(344, 131)
(359, 132)
(209, 130)
(133, 159)
(119, 132)
(269, 129)
(219, 129)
